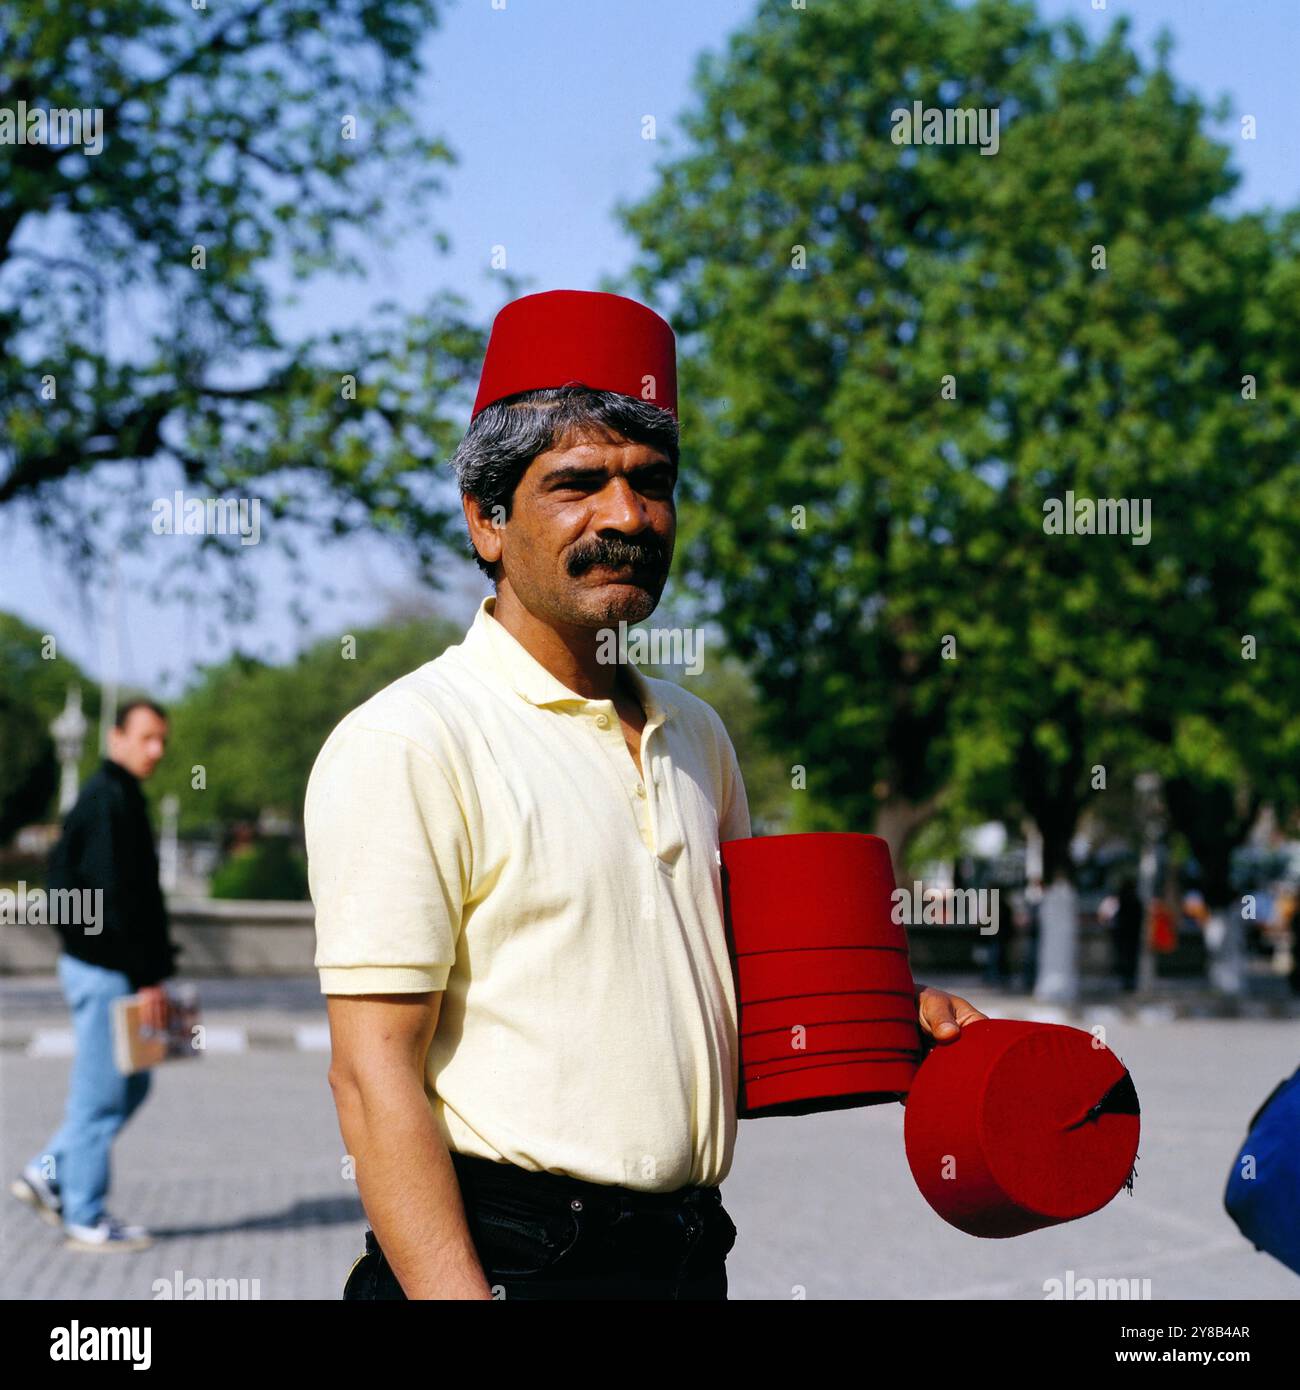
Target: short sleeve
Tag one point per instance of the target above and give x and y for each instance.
(388, 858)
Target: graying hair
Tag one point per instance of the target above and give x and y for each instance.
(506, 436)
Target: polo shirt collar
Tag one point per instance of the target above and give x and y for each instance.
(489, 640)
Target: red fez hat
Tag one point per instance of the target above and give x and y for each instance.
(560, 337)
(1017, 1125)
(826, 1003)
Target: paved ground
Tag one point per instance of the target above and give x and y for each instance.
(235, 1163)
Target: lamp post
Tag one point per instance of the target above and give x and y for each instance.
(69, 730)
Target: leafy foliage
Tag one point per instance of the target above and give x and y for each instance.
(817, 394)
(225, 131)
(270, 871)
(32, 692)
(255, 729)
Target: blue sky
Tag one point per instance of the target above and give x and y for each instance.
(542, 102)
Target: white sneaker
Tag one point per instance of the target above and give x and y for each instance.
(32, 1190)
(107, 1235)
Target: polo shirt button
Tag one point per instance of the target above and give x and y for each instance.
(602, 721)
(640, 788)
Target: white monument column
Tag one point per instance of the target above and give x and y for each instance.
(1058, 944)
(169, 846)
(69, 731)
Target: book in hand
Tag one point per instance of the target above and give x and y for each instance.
(136, 1048)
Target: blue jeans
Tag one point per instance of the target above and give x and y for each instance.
(100, 1098)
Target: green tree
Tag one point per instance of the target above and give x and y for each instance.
(234, 139)
(726, 686)
(898, 353)
(29, 772)
(34, 682)
(269, 871)
(255, 729)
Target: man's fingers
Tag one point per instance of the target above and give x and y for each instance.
(936, 1014)
(944, 1015)
(153, 1009)
(964, 1011)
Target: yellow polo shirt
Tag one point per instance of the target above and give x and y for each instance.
(478, 828)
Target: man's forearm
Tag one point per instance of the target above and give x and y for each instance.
(408, 1187)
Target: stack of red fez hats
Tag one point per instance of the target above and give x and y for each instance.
(826, 999)
(1012, 1127)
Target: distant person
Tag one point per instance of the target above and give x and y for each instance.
(1289, 910)
(1164, 934)
(995, 959)
(1126, 933)
(107, 844)
(1033, 901)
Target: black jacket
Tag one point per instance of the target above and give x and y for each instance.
(107, 843)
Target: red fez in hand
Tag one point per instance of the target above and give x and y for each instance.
(563, 337)
(827, 1007)
(1017, 1125)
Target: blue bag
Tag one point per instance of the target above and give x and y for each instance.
(1266, 1207)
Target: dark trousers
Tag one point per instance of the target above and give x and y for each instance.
(544, 1236)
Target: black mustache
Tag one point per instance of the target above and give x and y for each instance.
(637, 553)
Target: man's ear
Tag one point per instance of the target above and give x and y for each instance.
(484, 528)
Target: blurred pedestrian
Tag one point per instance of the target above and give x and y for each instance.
(1290, 913)
(106, 848)
(1126, 933)
(1033, 898)
(996, 963)
(1164, 935)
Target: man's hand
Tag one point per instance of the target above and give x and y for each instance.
(153, 1007)
(942, 1016)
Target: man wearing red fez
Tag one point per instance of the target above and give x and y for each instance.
(515, 863)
